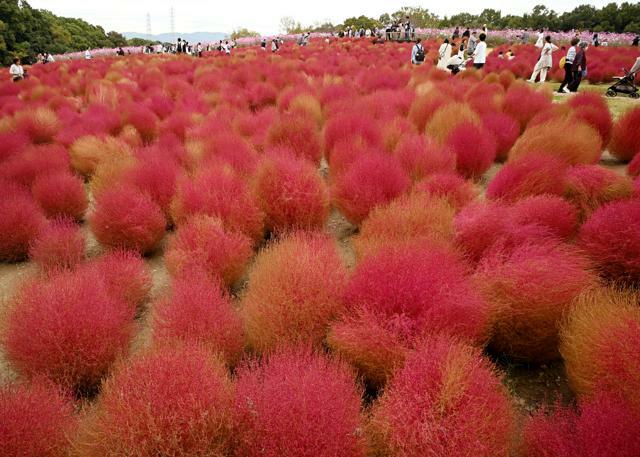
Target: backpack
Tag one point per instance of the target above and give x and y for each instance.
(420, 54)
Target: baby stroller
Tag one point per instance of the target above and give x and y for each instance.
(625, 85)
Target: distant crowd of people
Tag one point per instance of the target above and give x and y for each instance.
(458, 49)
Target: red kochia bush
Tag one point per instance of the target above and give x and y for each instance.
(611, 237)
(373, 179)
(505, 130)
(474, 148)
(421, 156)
(12, 143)
(297, 403)
(291, 193)
(199, 311)
(447, 400)
(625, 137)
(41, 124)
(523, 103)
(219, 193)
(634, 166)
(530, 288)
(549, 211)
(58, 246)
(603, 426)
(591, 186)
(68, 310)
(21, 221)
(299, 133)
(455, 189)
(533, 174)
(400, 296)
(126, 218)
(35, 420)
(294, 292)
(349, 126)
(156, 177)
(203, 242)
(170, 401)
(60, 194)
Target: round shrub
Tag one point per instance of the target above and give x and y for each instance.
(291, 193)
(421, 156)
(219, 193)
(591, 186)
(599, 342)
(156, 177)
(297, 403)
(372, 179)
(125, 218)
(504, 129)
(60, 194)
(88, 152)
(597, 117)
(294, 291)
(475, 150)
(447, 118)
(634, 166)
(456, 190)
(203, 242)
(549, 211)
(604, 425)
(21, 221)
(35, 420)
(199, 311)
(169, 401)
(401, 296)
(523, 103)
(409, 220)
(298, 133)
(41, 124)
(533, 174)
(58, 246)
(446, 400)
(67, 310)
(625, 136)
(611, 237)
(582, 146)
(530, 288)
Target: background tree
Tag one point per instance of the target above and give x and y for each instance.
(361, 22)
(290, 26)
(243, 33)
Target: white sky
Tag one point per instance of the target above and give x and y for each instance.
(262, 16)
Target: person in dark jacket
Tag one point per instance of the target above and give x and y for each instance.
(579, 68)
(568, 66)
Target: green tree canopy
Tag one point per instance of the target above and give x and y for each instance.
(243, 33)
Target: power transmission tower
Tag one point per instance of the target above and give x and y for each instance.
(173, 25)
(148, 24)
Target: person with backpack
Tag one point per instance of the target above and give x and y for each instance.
(544, 62)
(417, 53)
(568, 66)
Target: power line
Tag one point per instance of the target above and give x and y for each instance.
(173, 24)
(148, 24)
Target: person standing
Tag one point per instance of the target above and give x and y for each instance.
(595, 41)
(417, 53)
(480, 53)
(444, 54)
(579, 66)
(540, 39)
(636, 41)
(545, 62)
(568, 67)
(473, 41)
(16, 71)
(87, 55)
(199, 49)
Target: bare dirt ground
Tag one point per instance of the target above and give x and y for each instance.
(531, 386)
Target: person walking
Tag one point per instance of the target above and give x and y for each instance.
(444, 54)
(540, 39)
(545, 62)
(579, 68)
(480, 52)
(473, 41)
(568, 67)
(87, 55)
(417, 53)
(636, 41)
(595, 41)
(16, 71)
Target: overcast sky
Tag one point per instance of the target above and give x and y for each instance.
(262, 16)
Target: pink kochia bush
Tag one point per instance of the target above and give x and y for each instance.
(60, 194)
(199, 311)
(126, 218)
(550, 211)
(397, 297)
(451, 186)
(60, 245)
(611, 237)
(21, 221)
(373, 179)
(475, 149)
(421, 156)
(202, 242)
(447, 400)
(533, 174)
(605, 425)
(505, 130)
(291, 193)
(530, 288)
(297, 403)
(625, 137)
(67, 310)
(35, 419)
(299, 133)
(168, 401)
(294, 292)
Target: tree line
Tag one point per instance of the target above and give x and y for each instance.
(26, 31)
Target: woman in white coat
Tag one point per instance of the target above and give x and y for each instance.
(444, 54)
(545, 62)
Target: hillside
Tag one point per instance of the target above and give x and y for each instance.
(195, 37)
